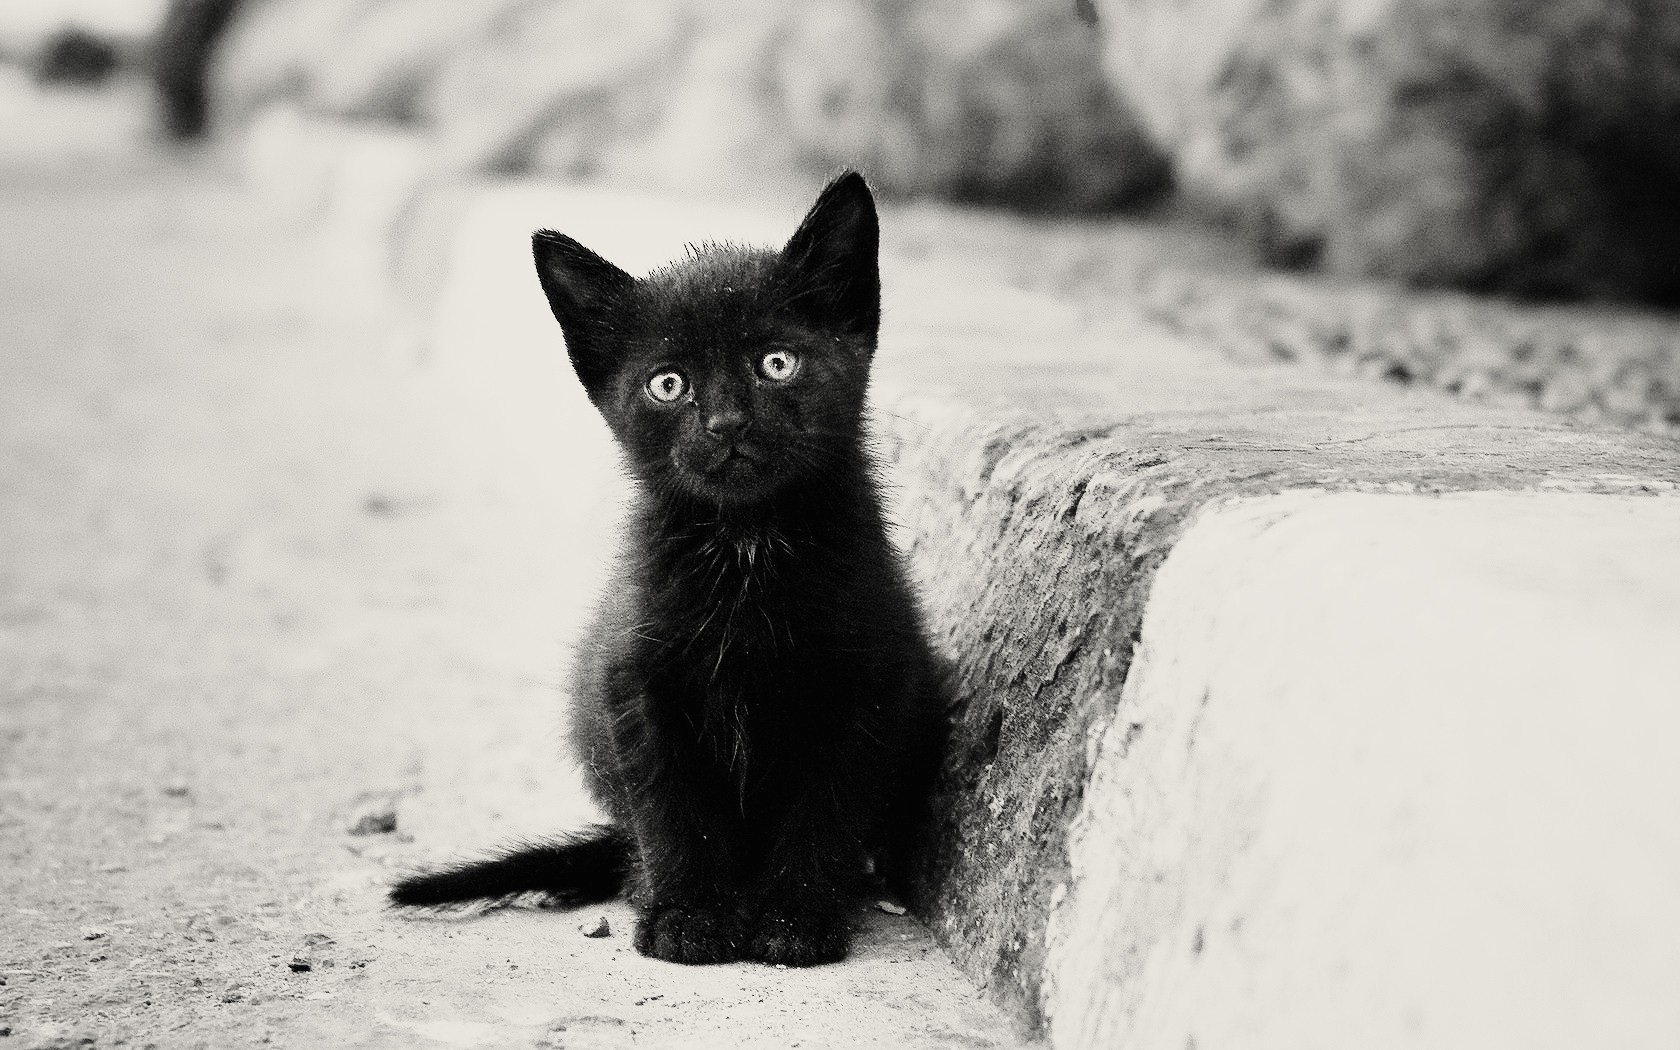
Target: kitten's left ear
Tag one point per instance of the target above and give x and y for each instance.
(833, 259)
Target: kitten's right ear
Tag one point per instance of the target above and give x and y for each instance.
(588, 295)
(834, 259)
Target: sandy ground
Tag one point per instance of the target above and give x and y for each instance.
(262, 577)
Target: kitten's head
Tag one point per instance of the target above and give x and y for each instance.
(736, 372)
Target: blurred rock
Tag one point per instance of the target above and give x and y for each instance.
(394, 50)
(76, 56)
(1525, 146)
(274, 52)
(185, 46)
(576, 88)
(28, 28)
(353, 58)
(969, 99)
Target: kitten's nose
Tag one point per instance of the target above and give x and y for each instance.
(726, 423)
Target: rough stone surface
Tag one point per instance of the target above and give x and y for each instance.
(1037, 540)
(1505, 144)
(967, 99)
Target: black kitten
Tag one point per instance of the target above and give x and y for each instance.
(755, 701)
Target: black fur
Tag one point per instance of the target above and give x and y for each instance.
(755, 704)
(572, 869)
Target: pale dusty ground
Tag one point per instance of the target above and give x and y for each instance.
(262, 573)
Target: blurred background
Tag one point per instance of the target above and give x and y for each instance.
(1479, 196)
(1529, 147)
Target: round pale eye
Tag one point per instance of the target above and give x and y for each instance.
(779, 365)
(667, 386)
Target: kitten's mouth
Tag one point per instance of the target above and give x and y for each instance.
(727, 472)
(731, 461)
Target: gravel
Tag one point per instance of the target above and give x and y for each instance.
(1618, 366)
(1596, 365)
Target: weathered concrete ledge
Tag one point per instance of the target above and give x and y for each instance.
(1045, 480)
(1074, 830)
(1294, 711)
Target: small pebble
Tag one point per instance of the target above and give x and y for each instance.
(599, 928)
(300, 965)
(93, 933)
(890, 908)
(378, 822)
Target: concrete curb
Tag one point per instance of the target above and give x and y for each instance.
(1039, 543)
(1263, 737)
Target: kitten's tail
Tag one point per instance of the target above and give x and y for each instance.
(574, 869)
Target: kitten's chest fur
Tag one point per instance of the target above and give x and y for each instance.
(730, 593)
(745, 623)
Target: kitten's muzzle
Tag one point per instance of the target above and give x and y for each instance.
(726, 424)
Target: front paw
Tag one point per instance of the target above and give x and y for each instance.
(690, 934)
(799, 937)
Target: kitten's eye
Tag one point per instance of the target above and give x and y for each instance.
(667, 386)
(778, 366)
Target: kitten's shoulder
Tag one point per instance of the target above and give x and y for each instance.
(608, 648)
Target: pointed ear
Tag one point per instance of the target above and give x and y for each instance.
(588, 295)
(833, 260)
